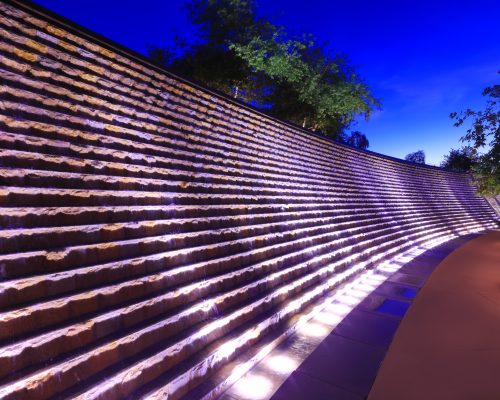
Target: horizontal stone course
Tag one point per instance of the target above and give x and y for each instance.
(153, 230)
(246, 138)
(12, 240)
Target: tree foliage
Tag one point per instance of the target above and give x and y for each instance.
(295, 78)
(484, 131)
(460, 159)
(357, 139)
(326, 91)
(417, 157)
(209, 59)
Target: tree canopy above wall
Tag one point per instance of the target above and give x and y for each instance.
(293, 77)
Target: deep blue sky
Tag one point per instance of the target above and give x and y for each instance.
(424, 58)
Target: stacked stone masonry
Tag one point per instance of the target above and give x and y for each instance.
(145, 221)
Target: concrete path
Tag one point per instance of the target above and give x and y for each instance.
(346, 362)
(448, 344)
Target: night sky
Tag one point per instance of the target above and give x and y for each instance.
(424, 59)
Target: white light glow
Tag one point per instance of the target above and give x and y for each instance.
(348, 299)
(378, 278)
(207, 305)
(253, 387)
(328, 318)
(365, 286)
(372, 282)
(282, 364)
(339, 308)
(389, 267)
(313, 329)
(227, 349)
(358, 292)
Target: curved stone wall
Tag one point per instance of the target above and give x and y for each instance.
(147, 223)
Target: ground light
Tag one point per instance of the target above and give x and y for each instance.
(260, 377)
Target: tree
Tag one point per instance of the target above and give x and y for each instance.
(209, 60)
(484, 131)
(293, 77)
(417, 157)
(487, 175)
(460, 159)
(357, 139)
(325, 92)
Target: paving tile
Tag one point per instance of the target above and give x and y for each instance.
(392, 289)
(368, 327)
(298, 348)
(420, 267)
(371, 302)
(345, 363)
(455, 243)
(414, 280)
(254, 385)
(393, 307)
(384, 305)
(438, 252)
(301, 386)
(417, 270)
(270, 376)
(431, 259)
(427, 262)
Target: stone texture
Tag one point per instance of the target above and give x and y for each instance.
(152, 230)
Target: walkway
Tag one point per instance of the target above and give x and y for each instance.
(343, 364)
(448, 346)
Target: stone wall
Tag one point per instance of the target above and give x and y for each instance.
(147, 222)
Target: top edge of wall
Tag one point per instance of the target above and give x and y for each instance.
(73, 27)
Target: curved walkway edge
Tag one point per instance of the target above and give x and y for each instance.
(448, 344)
(345, 363)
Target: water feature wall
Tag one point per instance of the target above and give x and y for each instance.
(153, 230)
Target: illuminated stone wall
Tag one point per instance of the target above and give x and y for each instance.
(145, 221)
